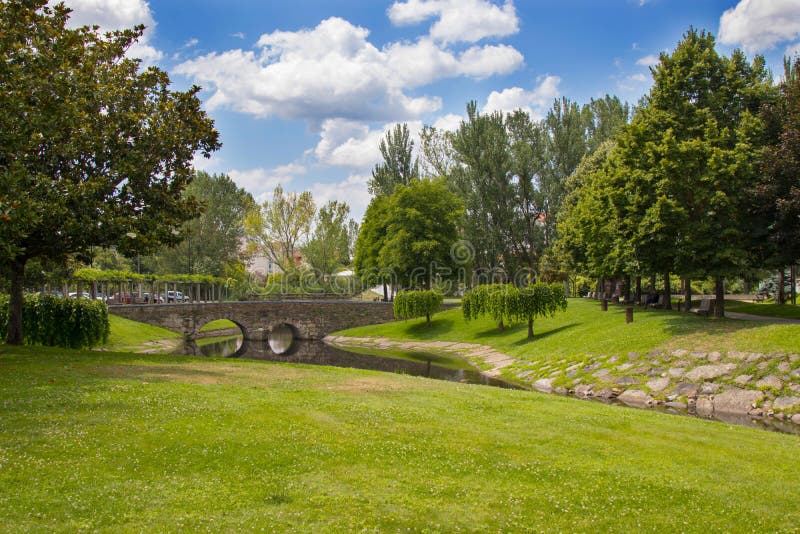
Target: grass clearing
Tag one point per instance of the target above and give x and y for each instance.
(583, 329)
(132, 336)
(102, 441)
(766, 309)
(219, 324)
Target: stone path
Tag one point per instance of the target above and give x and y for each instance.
(707, 383)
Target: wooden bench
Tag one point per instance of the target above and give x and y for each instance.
(705, 308)
(660, 303)
(759, 298)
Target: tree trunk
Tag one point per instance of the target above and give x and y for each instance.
(428, 320)
(719, 305)
(688, 294)
(626, 287)
(530, 328)
(667, 292)
(638, 296)
(501, 326)
(14, 335)
(793, 275)
(781, 295)
(652, 283)
(747, 285)
(385, 293)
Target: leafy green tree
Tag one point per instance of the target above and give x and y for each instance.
(437, 151)
(417, 303)
(399, 166)
(278, 227)
(604, 118)
(214, 239)
(483, 181)
(776, 194)
(371, 239)
(421, 227)
(686, 160)
(329, 247)
(94, 151)
(539, 300)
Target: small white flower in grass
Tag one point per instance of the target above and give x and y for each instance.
(132, 235)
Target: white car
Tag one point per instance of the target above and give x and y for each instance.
(177, 296)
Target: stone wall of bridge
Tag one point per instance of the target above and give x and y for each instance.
(310, 320)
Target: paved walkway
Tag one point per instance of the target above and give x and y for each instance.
(760, 318)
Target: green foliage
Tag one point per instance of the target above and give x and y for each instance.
(506, 304)
(89, 274)
(417, 303)
(60, 322)
(277, 227)
(399, 167)
(330, 246)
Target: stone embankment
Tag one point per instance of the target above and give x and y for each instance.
(710, 384)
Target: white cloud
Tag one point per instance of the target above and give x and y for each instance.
(458, 20)
(648, 61)
(353, 190)
(346, 143)
(449, 122)
(332, 70)
(535, 102)
(758, 25)
(238, 35)
(191, 43)
(261, 181)
(639, 77)
(118, 15)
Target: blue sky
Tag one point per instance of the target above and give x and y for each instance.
(302, 91)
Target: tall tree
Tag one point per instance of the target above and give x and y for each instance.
(566, 128)
(214, 239)
(329, 246)
(686, 161)
(604, 118)
(776, 194)
(437, 152)
(93, 150)
(399, 166)
(278, 227)
(482, 179)
(371, 239)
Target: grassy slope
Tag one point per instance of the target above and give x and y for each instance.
(131, 336)
(149, 442)
(584, 329)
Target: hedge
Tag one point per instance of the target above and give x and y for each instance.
(59, 322)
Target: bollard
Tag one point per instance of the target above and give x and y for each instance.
(604, 305)
(628, 314)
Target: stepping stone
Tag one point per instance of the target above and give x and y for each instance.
(784, 367)
(624, 366)
(754, 357)
(626, 381)
(697, 355)
(704, 407)
(601, 373)
(633, 355)
(705, 372)
(736, 355)
(679, 353)
(676, 371)
(685, 388)
(709, 388)
(714, 356)
(636, 398)
(545, 385)
(736, 401)
(677, 405)
(796, 419)
(584, 390)
(659, 384)
(770, 381)
(784, 403)
(743, 379)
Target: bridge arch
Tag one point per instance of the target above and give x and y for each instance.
(203, 320)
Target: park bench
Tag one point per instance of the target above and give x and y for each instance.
(705, 307)
(659, 304)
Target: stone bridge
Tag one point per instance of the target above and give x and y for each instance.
(306, 320)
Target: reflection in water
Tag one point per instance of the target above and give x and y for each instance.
(280, 339)
(221, 348)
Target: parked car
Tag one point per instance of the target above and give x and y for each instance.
(156, 299)
(85, 295)
(177, 296)
(122, 298)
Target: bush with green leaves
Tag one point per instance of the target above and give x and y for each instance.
(417, 303)
(60, 322)
(506, 303)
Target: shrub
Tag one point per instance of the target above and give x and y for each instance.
(59, 322)
(417, 303)
(504, 302)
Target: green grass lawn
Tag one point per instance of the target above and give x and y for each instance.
(584, 329)
(219, 324)
(121, 442)
(767, 309)
(131, 336)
